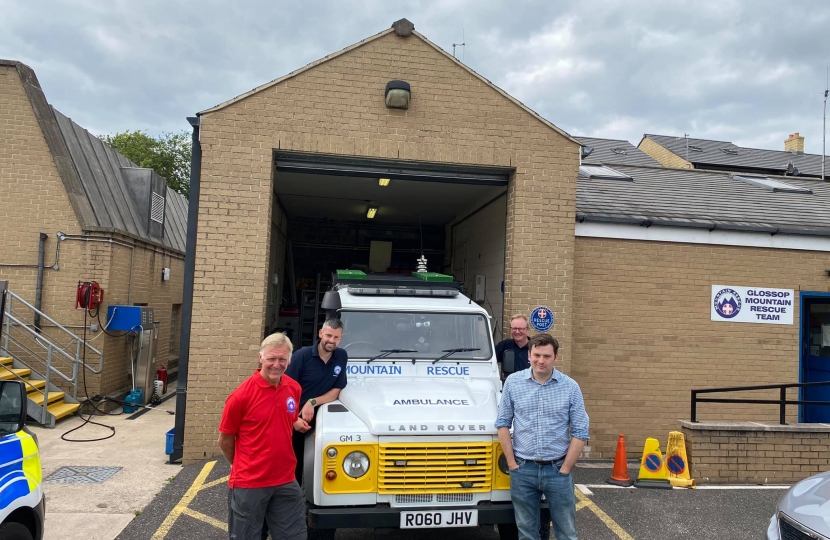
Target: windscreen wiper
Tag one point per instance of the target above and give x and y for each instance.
(450, 352)
(386, 352)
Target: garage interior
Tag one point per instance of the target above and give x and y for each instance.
(334, 212)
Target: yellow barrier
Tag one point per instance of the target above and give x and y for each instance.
(676, 462)
(653, 473)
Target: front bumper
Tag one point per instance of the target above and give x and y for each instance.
(369, 517)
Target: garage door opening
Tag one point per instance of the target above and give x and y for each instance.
(380, 216)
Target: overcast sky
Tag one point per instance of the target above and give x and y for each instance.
(750, 72)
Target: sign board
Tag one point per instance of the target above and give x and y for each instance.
(541, 319)
(731, 303)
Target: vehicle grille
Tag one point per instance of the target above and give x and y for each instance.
(790, 531)
(435, 468)
(423, 498)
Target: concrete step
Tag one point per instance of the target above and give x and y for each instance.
(37, 397)
(61, 409)
(9, 373)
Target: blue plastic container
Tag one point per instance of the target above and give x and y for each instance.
(168, 447)
(133, 400)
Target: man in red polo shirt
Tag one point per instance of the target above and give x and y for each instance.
(255, 436)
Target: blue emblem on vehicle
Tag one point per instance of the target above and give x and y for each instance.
(337, 370)
(727, 303)
(541, 319)
(291, 405)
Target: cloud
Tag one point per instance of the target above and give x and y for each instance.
(741, 70)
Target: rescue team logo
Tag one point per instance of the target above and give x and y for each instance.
(337, 370)
(727, 303)
(291, 405)
(541, 319)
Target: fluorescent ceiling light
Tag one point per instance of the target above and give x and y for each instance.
(383, 182)
(372, 211)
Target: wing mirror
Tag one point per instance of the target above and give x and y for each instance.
(12, 406)
(508, 362)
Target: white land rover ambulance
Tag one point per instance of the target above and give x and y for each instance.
(411, 442)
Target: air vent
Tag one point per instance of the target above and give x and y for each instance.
(414, 499)
(157, 208)
(694, 148)
(454, 497)
(730, 151)
(620, 151)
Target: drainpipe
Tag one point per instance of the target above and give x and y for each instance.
(41, 250)
(187, 292)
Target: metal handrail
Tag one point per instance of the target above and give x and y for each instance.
(782, 401)
(12, 296)
(38, 339)
(51, 349)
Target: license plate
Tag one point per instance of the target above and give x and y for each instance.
(431, 519)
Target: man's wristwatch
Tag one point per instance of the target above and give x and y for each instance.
(313, 402)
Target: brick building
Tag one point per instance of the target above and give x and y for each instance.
(624, 250)
(91, 208)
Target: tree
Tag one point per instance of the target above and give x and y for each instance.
(168, 155)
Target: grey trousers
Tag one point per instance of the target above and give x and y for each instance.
(281, 506)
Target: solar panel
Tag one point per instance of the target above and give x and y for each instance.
(602, 172)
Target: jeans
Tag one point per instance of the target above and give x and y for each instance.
(527, 485)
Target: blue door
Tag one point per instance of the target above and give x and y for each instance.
(815, 354)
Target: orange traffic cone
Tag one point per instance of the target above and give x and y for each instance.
(620, 475)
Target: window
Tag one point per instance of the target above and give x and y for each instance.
(11, 407)
(770, 184)
(603, 173)
(428, 334)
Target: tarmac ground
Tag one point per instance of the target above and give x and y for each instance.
(194, 507)
(123, 488)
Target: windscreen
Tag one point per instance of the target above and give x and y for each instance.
(366, 334)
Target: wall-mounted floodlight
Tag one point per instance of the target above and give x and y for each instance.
(371, 212)
(383, 182)
(397, 95)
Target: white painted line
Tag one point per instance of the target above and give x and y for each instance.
(584, 489)
(742, 487)
(709, 487)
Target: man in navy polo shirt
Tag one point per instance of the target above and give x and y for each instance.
(321, 371)
(517, 343)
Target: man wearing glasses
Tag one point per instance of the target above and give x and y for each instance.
(516, 346)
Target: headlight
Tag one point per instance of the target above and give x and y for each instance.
(356, 464)
(503, 464)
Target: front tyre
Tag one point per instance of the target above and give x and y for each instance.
(508, 531)
(15, 531)
(320, 534)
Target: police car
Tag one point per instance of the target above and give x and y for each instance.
(22, 504)
(411, 442)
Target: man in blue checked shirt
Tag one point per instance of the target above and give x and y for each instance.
(550, 427)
